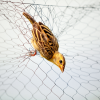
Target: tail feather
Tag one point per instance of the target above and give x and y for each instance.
(29, 17)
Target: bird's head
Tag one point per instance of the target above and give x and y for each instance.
(59, 60)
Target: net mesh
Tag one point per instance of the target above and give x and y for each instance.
(76, 24)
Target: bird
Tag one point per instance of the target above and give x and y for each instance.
(45, 42)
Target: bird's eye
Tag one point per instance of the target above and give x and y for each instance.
(60, 61)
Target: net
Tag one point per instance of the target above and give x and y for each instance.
(76, 24)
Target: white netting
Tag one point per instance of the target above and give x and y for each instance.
(76, 24)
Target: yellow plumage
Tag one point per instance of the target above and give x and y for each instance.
(45, 42)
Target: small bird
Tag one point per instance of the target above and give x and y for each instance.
(45, 42)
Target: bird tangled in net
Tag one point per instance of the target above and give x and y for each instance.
(77, 29)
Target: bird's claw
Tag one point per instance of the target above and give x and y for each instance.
(32, 53)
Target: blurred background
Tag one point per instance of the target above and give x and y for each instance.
(76, 24)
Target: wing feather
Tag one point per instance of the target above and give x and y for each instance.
(46, 42)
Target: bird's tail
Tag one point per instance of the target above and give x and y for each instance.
(29, 17)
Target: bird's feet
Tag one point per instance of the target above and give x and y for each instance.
(32, 53)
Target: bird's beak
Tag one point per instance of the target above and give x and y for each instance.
(62, 68)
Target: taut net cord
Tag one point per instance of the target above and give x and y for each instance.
(77, 29)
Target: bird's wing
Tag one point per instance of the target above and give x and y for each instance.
(46, 42)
